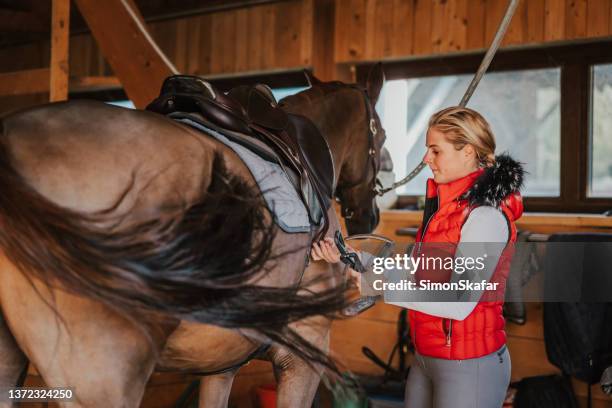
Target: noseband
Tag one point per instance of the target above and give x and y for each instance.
(348, 212)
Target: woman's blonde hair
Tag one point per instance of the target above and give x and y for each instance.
(463, 126)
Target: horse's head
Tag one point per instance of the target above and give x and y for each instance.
(346, 116)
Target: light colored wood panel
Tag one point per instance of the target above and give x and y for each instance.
(180, 45)
(554, 20)
(323, 58)
(255, 43)
(495, 13)
(342, 21)
(575, 19)
(370, 30)
(223, 42)
(383, 44)
(610, 19)
(423, 27)
(403, 27)
(242, 40)
(193, 45)
(205, 45)
(268, 40)
(476, 24)
(357, 30)
(307, 34)
(439, 25)
(598, 16)
(456, 39)
(60, 32)
(287, 34)
(517, 31)
(535, 21)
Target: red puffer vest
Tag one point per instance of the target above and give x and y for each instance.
(446, 210)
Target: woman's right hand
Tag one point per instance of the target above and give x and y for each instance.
(325, 250)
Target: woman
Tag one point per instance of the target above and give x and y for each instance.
(461, 358)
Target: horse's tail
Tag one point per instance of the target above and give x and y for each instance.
(191, 263)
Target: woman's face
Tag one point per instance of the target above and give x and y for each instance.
(447, 163)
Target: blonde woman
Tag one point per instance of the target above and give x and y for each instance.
(461, 358)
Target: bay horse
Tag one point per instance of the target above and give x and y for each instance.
(130, 242)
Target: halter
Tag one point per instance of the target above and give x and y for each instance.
(348, 212)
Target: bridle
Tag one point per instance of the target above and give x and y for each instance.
(348, 212)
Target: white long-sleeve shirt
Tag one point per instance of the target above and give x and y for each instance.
(485, 229)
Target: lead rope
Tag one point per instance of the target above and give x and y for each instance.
(484, 65)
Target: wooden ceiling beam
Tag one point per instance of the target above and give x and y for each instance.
(135, 58)
(31, 81)
(36, 81)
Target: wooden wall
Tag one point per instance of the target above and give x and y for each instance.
(292, 34)
(378, 29)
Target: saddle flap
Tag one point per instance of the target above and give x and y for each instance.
(316, 152)
(260, 105)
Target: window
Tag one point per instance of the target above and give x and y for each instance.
(549, 107)
(522, 107)
(600, 152)
(280, 93)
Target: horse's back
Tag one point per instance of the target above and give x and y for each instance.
(84, 154)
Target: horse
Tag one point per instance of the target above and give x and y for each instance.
(132, 243)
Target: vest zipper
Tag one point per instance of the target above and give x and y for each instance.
(429, 220)
(449, 331)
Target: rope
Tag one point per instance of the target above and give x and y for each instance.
(484, 65)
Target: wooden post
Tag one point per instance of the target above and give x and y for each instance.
(60, 30)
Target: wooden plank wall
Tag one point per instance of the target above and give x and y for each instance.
(268, 37)
(288, 34)
(379, 29)
(377, 328)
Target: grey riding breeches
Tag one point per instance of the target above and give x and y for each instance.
(473, 383)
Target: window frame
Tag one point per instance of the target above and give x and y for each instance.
(575, 61)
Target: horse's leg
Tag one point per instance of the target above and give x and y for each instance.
(297, 381)
(13, 363)
(215, 389)
(103, 357)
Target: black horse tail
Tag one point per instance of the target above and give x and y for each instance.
(191, 263)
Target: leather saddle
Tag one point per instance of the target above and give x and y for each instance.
(251, 112)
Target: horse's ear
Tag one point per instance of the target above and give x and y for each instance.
(312, 80)
(376, 80)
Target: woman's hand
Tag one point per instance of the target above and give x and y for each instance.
(326, 250)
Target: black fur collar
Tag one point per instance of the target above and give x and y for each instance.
(497, 182)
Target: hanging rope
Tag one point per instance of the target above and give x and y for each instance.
(484, 65)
